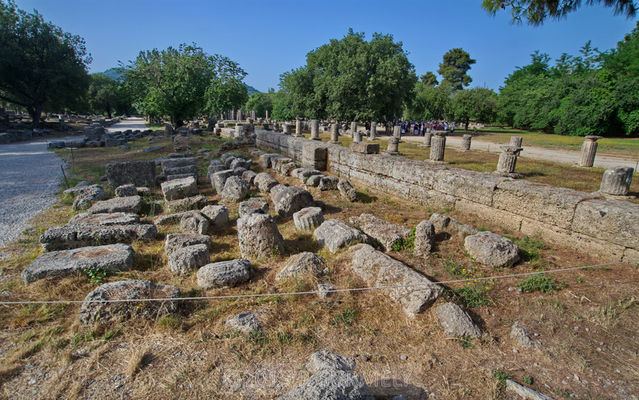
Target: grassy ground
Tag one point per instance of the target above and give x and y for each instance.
(622, 147)
(586, 320)
(551, 173)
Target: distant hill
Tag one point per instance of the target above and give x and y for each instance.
(251, 90)
(113, 73)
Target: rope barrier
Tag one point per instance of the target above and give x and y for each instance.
(310, 292)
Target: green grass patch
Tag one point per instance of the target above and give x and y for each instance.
(540, 283)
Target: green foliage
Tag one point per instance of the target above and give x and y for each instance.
(528, 380)
(500, 375)
(349, 79)
(41, 66)
(529, 248)
(429, 102)
(477, 104)
(406, 243)
(96, 275)
(106, 96)
(535, 12)
(184, 82)
(429, 79)
(540, 283)
(454, 68)
(260, 102)
(466, 343)
(474, 295)
(348, 317)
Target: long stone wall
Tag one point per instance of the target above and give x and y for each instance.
(607, 228)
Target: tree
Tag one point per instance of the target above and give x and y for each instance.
(41, 66)
(535, 12)
(454, 67)
(429, 79)
(350, 79)
(103, 94)
(429, 102)
(181, 83)
(477, 104)
(260, 102)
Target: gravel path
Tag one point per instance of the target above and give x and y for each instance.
(29, 178)
(132, 123)
(539, 153)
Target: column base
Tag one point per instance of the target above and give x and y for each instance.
(512, 175)
(613, 197)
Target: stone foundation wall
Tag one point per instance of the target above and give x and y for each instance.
(608, 228)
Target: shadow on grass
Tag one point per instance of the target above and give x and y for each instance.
(366, 198)
(301, 243)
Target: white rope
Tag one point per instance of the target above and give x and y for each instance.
(311, 292)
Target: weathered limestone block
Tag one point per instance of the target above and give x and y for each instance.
(218, 215)
(508, 159)
(95, 309)
(186, 259)
(313, 180)
(112, 258)
(189, 170)
(545, 203)
(588, 151)
(219, 178)
(300, 265)
(334, 134)
(253, 206)
(259, 237)
(168, 219)
(235, 189)
(521, 336)
(314, 156)
(347, 190)
(491, 249)
(265, 159)
(424, 238)
(315, 130)
(139, 173)
(186, 204)
(373, 131)
(462, 230)
(249, 176)
(224, 274)
(393, 146)
(287, 168)
(616, 181)
(179, 188)
(614, 221)
(194, 222)
(525, 392)
(438, 146)
(469, 185)
(129, 204)
(466, 139)
(309, 218)
(290, 199)
(265, 182)
(325, 359)
(455, 321)
(414, 292)
(176, 241)
(245, 323)
(105, 219)
(74, 236)
(387, 234)
(304, 173)
(278, 162)
(176, 162)
(335, 234)
(126, 190)
(328, 183)
(86, 195)
(364, 147)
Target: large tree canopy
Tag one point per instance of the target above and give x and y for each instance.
(535, 12)
(261, 103)
(41, 66)
(349, 79)
(454, 68)
(181, 83)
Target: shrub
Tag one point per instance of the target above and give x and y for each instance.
(540, 283)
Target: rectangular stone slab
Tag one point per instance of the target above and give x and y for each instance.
(387, 234)
(74, 236)
(129, 204)
(364, 147)
(112, 257)
(414, 293)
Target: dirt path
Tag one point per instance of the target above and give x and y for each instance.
(29, 178)
(132, 123)
(539, 153)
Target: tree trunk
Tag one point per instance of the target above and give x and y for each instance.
(35, 112)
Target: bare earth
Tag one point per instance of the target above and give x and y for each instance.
(539, 153)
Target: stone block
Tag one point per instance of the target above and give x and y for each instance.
(364, 147)
(139, 173)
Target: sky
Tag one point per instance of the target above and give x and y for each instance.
(269, 37)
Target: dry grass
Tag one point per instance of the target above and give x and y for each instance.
(190, 354)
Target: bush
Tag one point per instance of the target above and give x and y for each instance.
(540, 283)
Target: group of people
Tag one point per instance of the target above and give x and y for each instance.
(420, 128)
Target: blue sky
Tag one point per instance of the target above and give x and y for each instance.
(268, 37)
